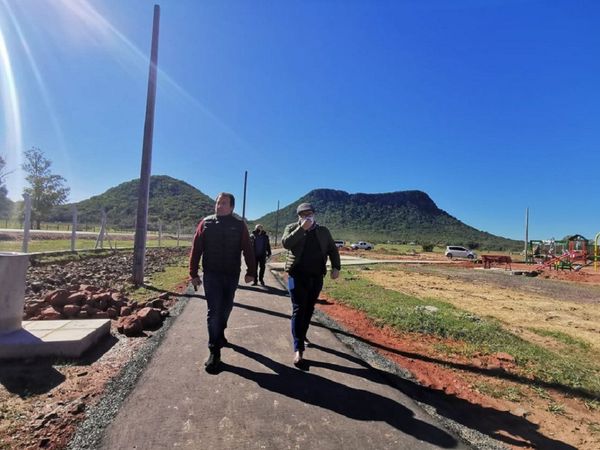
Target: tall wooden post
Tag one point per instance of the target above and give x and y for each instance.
(244, 202)
(139, 248)
(526, 231)
(277, 222)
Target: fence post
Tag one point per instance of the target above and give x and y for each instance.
(26, 222)
(74, 229)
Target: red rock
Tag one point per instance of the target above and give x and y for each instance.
(50, 314)
(71, 310)
(150, 317)
(57, 298)
(130, 326)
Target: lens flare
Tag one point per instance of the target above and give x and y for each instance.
(13, 140)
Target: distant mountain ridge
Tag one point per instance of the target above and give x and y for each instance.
(403, 216)
(171, 201)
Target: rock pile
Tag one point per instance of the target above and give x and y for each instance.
(90, 302)
(93, 289)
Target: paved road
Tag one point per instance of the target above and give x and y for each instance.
(259, 399)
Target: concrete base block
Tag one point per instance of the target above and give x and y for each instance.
(62, 338)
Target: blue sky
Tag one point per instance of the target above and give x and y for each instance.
(489, 107)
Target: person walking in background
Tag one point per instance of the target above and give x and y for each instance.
(219, 240)
(262, 251)
(308, 245)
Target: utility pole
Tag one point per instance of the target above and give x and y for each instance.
(277, 222)
(526, 230)
(139, 248)
(244, 203)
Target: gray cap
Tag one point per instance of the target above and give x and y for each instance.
(304, 207)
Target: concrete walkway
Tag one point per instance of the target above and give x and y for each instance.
(259, 400)
(348, 260)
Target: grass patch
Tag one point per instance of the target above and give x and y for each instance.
(55, 245)
(483, 335)
(557, 408)
(511, 393)
(563, 338)
(159, 282)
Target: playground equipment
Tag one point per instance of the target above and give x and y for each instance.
(560, 255)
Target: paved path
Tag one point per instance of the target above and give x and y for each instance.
(260, 400)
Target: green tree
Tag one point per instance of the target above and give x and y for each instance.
(46, 189)
(5, 203)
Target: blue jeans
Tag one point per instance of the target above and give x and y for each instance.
(304, 292)
(219, 289)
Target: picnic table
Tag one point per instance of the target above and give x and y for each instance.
(489, 260)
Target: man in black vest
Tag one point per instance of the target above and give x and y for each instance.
(219, 240)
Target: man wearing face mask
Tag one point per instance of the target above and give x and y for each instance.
(308, 245)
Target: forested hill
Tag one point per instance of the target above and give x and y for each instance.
(172, 201)
(405, 216)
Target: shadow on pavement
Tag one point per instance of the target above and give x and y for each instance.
(488, 421)
(351, 402)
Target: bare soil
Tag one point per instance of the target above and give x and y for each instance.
(517, 412)
(41, 402)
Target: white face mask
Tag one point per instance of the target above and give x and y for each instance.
(310, 218)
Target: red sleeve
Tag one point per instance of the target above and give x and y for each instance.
(197, 249)
(248, 253)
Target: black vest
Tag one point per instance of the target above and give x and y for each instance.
(222, 244)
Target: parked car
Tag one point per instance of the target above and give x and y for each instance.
(456, 251)
(362, 245)
(339, 244)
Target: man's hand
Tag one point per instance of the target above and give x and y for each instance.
(334, 274)
(196, 281)
(248, 279)
(306, 224)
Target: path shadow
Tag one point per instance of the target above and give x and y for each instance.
(271, 290)
(350, 402)
(489, 421)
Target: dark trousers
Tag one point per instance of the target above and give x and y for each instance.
(304, 292)
(261, 262)
(219, 289)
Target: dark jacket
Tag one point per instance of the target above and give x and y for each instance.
(294, 237)
(219, 241)
(260, 243)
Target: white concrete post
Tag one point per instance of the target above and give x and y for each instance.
(13, 269)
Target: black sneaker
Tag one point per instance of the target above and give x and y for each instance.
(255, 284)
(307, 343)
(262, 283)
(212, 363)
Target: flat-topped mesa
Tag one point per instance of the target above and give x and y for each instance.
(13, 269)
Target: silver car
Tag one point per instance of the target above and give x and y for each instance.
(456, 251)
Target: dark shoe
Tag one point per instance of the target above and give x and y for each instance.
(255, 284)
(213, 361)
(298, 359)
(262, 283)
(307, 343)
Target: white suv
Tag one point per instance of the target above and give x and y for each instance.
(454, 251)
(362, 245)
(339, 243)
